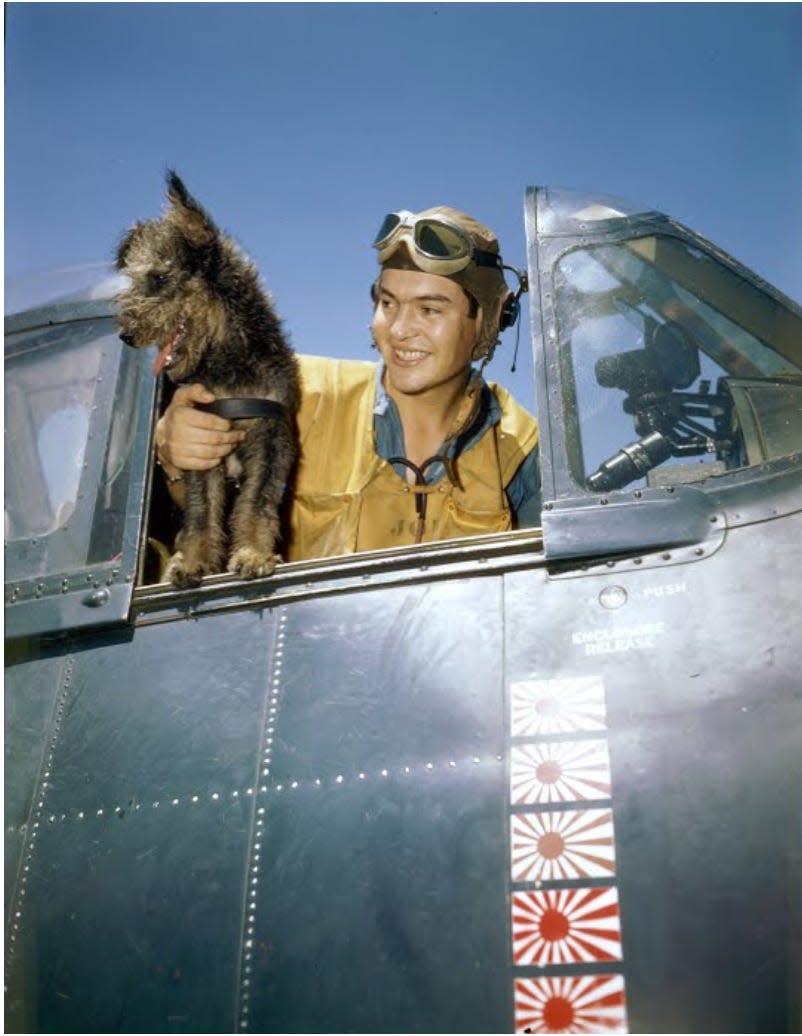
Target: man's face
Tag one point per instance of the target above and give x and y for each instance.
(422, 327)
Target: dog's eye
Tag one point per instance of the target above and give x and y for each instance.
(156, 282)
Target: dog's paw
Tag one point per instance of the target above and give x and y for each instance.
(182, 575)
(248, 563)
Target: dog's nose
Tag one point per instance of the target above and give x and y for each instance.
(128, 339)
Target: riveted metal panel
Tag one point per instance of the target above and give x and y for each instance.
(677, 690)
(127, 910)
(384, 836)
(33, 687)
(441, 806)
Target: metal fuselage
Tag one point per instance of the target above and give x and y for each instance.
(545, 781)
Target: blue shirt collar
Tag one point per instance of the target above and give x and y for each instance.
(389, 435)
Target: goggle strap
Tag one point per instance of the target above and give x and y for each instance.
(480, 258)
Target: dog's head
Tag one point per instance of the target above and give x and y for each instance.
(171, 264)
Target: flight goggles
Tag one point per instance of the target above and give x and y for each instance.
(440, 245)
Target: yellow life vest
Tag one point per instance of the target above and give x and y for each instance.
(348, 499)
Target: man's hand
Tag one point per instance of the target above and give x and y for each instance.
(192, 440)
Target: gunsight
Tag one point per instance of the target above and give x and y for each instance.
(665, 418)
(669, 361)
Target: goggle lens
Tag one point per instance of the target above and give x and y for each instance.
(440, 241)
(390, 222)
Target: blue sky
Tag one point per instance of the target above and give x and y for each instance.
(300, 125)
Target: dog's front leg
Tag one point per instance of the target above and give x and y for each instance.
(268, 455)
(201, 544)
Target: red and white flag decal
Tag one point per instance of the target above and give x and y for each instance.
(562, 845)
(587, 1003)
(560, 706)
(565, 926)
(562, 771)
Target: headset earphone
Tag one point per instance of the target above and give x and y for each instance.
(511, 309)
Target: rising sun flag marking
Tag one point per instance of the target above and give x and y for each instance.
(565, 926)
(587, 1003)
(560, 706)
(562, 845)
(563, 771)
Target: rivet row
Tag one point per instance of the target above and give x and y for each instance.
(37, 816)
(255, 857)
(218, 797)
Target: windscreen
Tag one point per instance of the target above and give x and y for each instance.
(69, 396)
(679, 368)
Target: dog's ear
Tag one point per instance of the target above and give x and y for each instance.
(176, 191)
(187, 214)
(125, 244)
(200, 235)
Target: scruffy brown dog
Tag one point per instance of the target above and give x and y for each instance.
(194, 294)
